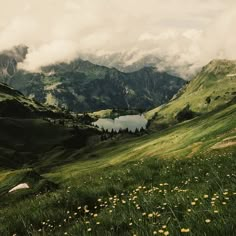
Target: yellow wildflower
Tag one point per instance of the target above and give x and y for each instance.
(183, 230)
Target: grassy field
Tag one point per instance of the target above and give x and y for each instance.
(178, 181)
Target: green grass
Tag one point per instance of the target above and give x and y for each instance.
(138, 197)
(211, 83)
(183, 140)
(135, 186)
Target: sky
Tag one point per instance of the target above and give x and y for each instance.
(183, 31)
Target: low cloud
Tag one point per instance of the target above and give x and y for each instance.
(182, 32)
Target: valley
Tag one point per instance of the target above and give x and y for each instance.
(162, 165)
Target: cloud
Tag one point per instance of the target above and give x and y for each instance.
(55, 51)
(183, 32)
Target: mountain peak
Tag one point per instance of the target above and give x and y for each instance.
(222, 66)
(18, 52)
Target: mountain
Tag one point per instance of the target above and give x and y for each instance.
(10, 58)
(83, 86)
(214, 86)
(15, 104)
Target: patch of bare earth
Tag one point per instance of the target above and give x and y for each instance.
(227, 142)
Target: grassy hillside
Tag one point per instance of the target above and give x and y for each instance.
(213, 86)
(15, 104)
(177, 180)
(29, 130)
(180, 179)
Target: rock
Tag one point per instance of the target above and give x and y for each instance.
(19, 186)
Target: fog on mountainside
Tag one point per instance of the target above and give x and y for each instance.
(184, 36)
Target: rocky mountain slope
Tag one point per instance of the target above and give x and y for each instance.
(83, 86)
(10, 58)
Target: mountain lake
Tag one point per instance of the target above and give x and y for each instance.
(132, 122)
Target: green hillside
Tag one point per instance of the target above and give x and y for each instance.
(180, 178)
(29, 129)
(15, 104)
(213, 86)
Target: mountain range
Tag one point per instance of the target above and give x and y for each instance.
(83, 86)
(133, 61)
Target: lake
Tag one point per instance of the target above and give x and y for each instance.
(132, 122)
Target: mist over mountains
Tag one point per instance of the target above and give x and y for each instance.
(132, 61)
(83, 86)
(183, 38)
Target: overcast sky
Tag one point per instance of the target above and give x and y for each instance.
(191, 31)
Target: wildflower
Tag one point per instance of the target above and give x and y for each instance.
(150, 215)
(183, 230)
(161, 231)
(224, 203)
(166, 233)
(164, 227)
(155, 232)
(98, 223)
(189, 210)
(205, 196)
(89, 230)
(130, 223)
(207, 220)
(215, 211)
(95, 215)
(193, 203)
